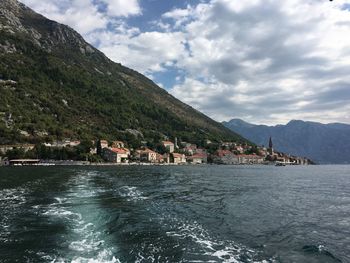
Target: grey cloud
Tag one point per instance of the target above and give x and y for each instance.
(339, 92)
(284, 46)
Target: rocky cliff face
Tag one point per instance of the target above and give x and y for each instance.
(16, 18)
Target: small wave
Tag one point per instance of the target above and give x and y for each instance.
(60, 200)
(86, 245)
(152, 256)
(104, 256)
(131, 193)
(219, 250)
(321, 250)
(10, 202)
(63, 213)
(15, 196)
(86, 227)
(84, 194)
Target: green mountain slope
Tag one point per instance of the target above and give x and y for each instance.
(55, 85)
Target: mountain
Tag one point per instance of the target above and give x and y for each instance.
(53, 84)
(323, 143)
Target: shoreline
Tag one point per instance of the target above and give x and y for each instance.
(84, 163)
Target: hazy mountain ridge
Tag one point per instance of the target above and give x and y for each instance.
(323, 143)
(53, 82)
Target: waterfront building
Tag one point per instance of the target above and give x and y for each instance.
(198, 158)
(148, 155)
(118, 144)
(116, 155)
(178, 158)
(169, 146)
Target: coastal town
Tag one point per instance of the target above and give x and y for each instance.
(103, 152)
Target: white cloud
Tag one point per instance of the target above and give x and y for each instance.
(146, 52)
(123, 7)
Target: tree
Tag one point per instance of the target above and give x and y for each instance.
(99, 147)
(16, 153)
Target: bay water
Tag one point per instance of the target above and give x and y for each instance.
(175, 214)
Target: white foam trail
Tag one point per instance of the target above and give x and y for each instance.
(131, 193)
(86, 243)
(101, 258)
(224, 250)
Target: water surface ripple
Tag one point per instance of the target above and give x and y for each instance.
(175, 214)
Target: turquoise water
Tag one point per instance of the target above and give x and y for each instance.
(175, 214)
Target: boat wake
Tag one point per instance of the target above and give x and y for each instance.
(79, 212)
(208, 249)
(131, 193)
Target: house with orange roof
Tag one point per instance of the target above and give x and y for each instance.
(118, 144)
(116, 155)
(178, 158)
(198, 158)
(148, 155)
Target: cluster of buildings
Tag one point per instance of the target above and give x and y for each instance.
(227, 153)
(172, 153)
(118, 153)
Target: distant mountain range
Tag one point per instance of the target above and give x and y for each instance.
(54, 85)
(323, 143)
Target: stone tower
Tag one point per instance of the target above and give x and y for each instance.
(270, 146)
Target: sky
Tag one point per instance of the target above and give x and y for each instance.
(264, 61)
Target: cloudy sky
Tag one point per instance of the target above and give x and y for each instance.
(265, 61)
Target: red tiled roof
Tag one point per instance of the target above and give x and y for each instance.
(222, 153)
(148, 151)
(120, 150)
(168, 142)
(199, 156)
(177, 155)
